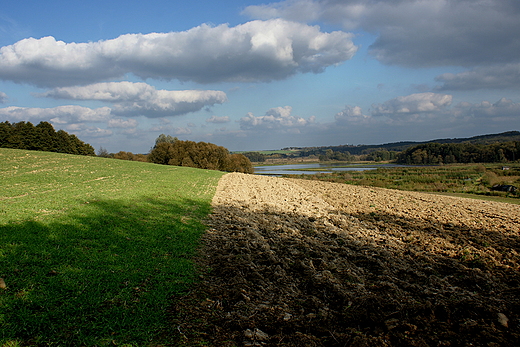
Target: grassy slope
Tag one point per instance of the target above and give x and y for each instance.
(91, 249)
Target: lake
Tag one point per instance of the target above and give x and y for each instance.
(299, 169)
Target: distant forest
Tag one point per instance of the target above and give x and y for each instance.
(448, 153)
(503, 147)
(401, 146)
(42, 137)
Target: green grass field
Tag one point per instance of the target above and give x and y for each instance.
(92, 249)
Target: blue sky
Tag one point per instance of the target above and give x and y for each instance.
(252, 75)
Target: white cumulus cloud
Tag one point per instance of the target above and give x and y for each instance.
(253, 51)
(351, 115)
(278, 118)
(141, 98)
(420, 103)
(430, 112)
(3, 98)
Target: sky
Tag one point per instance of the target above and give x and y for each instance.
(254, 75)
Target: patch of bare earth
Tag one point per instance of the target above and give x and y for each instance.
(303, 263)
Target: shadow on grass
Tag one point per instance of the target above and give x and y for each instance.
(101, 276)
(352, 280)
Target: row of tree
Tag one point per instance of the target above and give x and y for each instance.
(381, 155)
(448, 153)
(332, 155)
(122, 155)
(256, 157)
(42, 137)
(168, 150)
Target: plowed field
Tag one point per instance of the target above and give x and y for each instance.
(304, 263)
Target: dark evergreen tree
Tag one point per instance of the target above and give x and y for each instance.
(255, 156)
(43, 137)
(46, 139)
(6, 130)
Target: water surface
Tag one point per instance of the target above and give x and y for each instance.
(299, 169)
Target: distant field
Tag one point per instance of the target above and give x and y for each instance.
(92, 249)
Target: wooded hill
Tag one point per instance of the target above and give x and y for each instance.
(450, 153)
(401, 146)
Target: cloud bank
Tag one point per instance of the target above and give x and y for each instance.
(122, 123)
(414, 104)
(126, 98)
(251, 52)
(133, 99)
(406, 109)
(418, 33)
(505, 76)
(428, 107)
(72, 118)
(59, 115)
(275, 119)
(218, 120)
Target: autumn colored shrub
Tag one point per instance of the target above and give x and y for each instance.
(202, 155)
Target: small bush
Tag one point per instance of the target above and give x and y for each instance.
(489, 178)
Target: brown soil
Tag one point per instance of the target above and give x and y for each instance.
(303, 263)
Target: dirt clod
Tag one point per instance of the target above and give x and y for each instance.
(303, 263)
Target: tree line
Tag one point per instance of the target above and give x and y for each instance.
(448, 153)
(168, 150)
(42, 137)
(332, 155)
